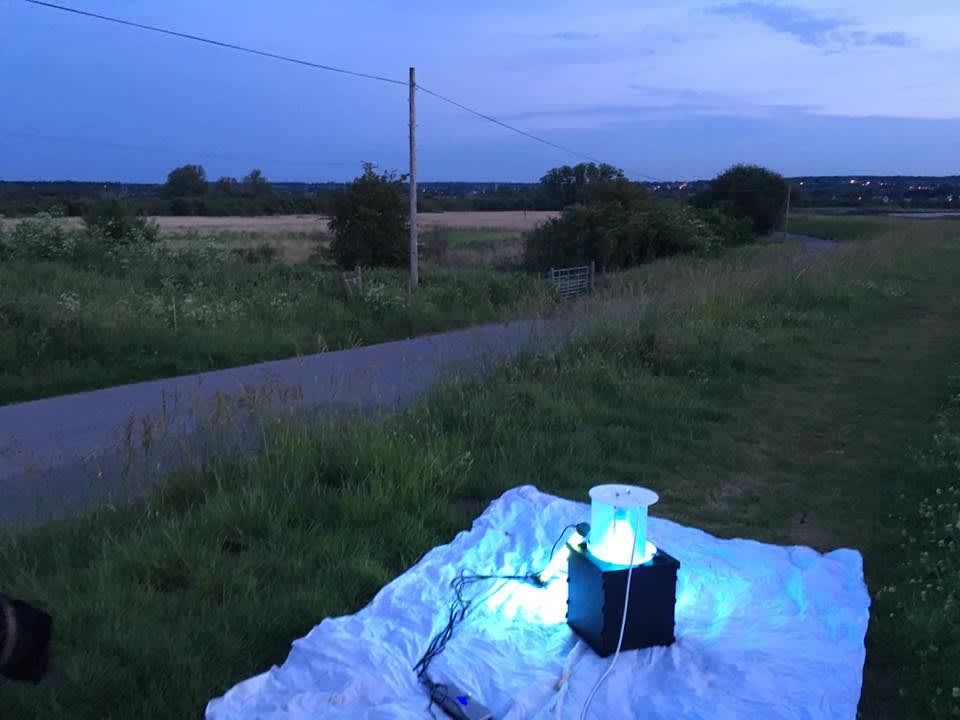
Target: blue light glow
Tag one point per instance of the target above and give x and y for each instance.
(618, 541)
(558, 563)
(529, 603)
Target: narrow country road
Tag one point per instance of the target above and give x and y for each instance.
(63, 455)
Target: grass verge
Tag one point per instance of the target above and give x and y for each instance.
(842, 228)
(774, 394)
(147, 313)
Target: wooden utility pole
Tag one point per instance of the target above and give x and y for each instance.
(414, 255)
(786, 217)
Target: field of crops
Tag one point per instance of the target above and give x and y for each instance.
(518, 221)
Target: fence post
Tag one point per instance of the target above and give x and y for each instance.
(592, 268)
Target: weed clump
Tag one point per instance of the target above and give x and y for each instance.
(923, 604)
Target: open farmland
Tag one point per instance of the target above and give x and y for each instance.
(221, 292)
(841, 228)
(518, 221)
(469, 238)
(211, 300)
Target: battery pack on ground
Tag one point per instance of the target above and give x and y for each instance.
(596, 594)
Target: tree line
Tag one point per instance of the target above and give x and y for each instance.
(187, 191)
(606, 218)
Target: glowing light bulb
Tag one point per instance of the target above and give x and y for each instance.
(618, 524)
(620, 538)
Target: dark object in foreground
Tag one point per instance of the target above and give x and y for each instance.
(24, 641)
(457, 703)
(596, 594)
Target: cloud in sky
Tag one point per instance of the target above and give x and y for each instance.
(650, 102)
(810, 27)
(886, 39)
(574, 35)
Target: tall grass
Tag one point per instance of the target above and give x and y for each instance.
(75, 322)
(726, 384)
(473, 247)
(919, 604)
(842, 228)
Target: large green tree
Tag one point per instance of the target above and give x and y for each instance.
(186, 181)
(369, 221)
(227, 185)
(748, 192)
(255, 184)
(572, 184)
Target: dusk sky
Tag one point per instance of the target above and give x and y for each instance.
(665, 89)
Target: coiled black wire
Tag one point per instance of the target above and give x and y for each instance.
(458, 611)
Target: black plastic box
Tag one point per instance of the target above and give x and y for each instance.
(596, 594)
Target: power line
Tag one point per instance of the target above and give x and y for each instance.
(494, 120)
(319, 66)
(648, 178)
(218, 43)
(512, 128)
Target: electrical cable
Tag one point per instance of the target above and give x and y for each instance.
(218, 43)
(501, 123)
(458, 611)
(623, 627)
(321, 66)
(512, 128)
(553, 550)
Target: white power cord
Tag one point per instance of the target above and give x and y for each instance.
(623, 627)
